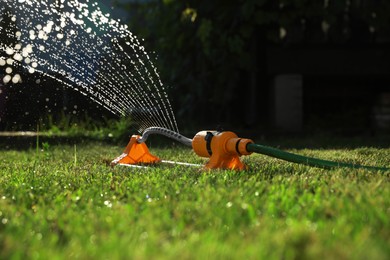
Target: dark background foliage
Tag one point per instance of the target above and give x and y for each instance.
(215, 54)
(219, 58)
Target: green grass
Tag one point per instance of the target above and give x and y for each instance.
(65, 202)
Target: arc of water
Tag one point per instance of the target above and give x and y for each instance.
(165, 107)
(154, 112)
(109, 81)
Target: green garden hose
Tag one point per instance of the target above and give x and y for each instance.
(310, 161)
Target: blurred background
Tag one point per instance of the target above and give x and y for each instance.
(267, 66)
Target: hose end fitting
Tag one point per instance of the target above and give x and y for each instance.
(223, 149)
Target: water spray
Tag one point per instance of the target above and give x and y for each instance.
(223, 149)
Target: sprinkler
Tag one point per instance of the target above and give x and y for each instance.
(223, 149)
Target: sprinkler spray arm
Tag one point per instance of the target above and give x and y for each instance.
(137, 152)
(165, 132)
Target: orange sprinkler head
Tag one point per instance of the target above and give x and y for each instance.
(135, 153)
(223, 149)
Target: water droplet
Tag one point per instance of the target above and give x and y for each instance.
(108, 203)
(7, 79)
(18, 57)
(41, 34)
(9, 51)
(39, 236)
(282, 33)
(8, 70)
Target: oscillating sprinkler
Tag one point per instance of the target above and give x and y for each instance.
(223, 148)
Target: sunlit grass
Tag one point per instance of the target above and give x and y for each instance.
(65, 201)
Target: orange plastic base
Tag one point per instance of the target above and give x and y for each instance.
(135, 153)
(231, 162)
(223, 148)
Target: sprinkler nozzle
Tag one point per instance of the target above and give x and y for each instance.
(223, 148)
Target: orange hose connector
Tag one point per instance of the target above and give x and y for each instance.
(135, 153)
(223, 148)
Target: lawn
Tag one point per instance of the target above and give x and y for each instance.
(64, 201)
